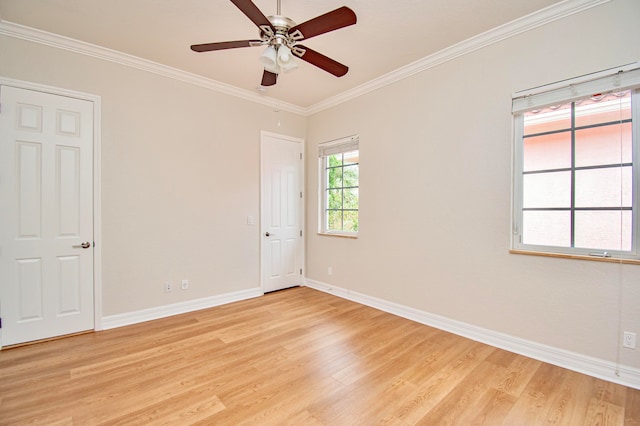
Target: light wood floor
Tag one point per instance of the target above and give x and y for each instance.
(295, 357)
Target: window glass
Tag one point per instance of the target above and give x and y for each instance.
(605, 187)
(574, 187)
(599, 109)
(547, 228)
(604, 230)
(340, 177)
(604, 145)
(537, 148)
(547, 190)
(543, 120)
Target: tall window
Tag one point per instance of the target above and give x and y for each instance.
(340, 185)
(576, 168)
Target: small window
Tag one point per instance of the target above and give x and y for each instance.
(339, 186)
(576, 168)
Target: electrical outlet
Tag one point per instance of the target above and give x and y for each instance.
(629, 340)
(330, 270)
(185, 284)
(168, 287)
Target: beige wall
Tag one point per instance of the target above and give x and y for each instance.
(435, 178)
(180, 174)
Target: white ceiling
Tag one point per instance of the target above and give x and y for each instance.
(389, 35)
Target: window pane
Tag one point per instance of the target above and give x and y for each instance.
(351, 198)
(341, 184)
(603, 109)
(546, 228)
(610, 187)
(547, 152)
(334, 199)
(334, 175)
(352, 157)
(334, 160)
(547, 190)
(334, 220)
(547, 119)
(605, 230)
(351, 221)
(350, 176)
(603, 145)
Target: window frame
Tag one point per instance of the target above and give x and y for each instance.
(565, 92)
(325, 150)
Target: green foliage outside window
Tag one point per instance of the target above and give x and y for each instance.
(342, 191)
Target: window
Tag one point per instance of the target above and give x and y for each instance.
(339, 186)
(576, 167)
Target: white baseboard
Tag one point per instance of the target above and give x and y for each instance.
(606, 370)
(129, 318)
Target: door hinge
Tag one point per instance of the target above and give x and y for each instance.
(301, 232)
(301, 156)
(300, 271)
(300, 194)
(0, 322)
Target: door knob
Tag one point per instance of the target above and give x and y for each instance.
(84, 245)
(266, 234)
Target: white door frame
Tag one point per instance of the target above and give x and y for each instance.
(303, 180)
(97, 174)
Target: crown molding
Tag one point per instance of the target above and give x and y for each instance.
(22, 32)
(495, 35)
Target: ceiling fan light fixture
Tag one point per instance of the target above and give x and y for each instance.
(284, 54)
(285, 59)
(289, 66)
(278, 59)
(269, 58)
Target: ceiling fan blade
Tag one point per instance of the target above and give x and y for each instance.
(269, 78)
(208, 47)
(252, 12)
(321, 61)
(336, 19)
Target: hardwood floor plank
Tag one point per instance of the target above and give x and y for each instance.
(632, 408)
(515, 374)
(187, 408)
(473, 395)
(295, 357)
(566, 403)
(604, 413)
(533, 405)
(430, 392)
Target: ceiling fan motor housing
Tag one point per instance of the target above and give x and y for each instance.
(281, 37)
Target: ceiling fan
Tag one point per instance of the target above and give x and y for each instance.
(281, 36)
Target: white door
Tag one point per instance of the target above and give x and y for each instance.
(281, 211)
(46, 211)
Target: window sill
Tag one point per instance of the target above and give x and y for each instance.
(331, 234)
(578, 257)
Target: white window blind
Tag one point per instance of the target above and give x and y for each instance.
(347, 144)
(609, 81)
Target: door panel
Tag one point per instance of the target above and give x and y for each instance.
(29, 188)
(29, 284)
(46, 203)
(282, 177)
